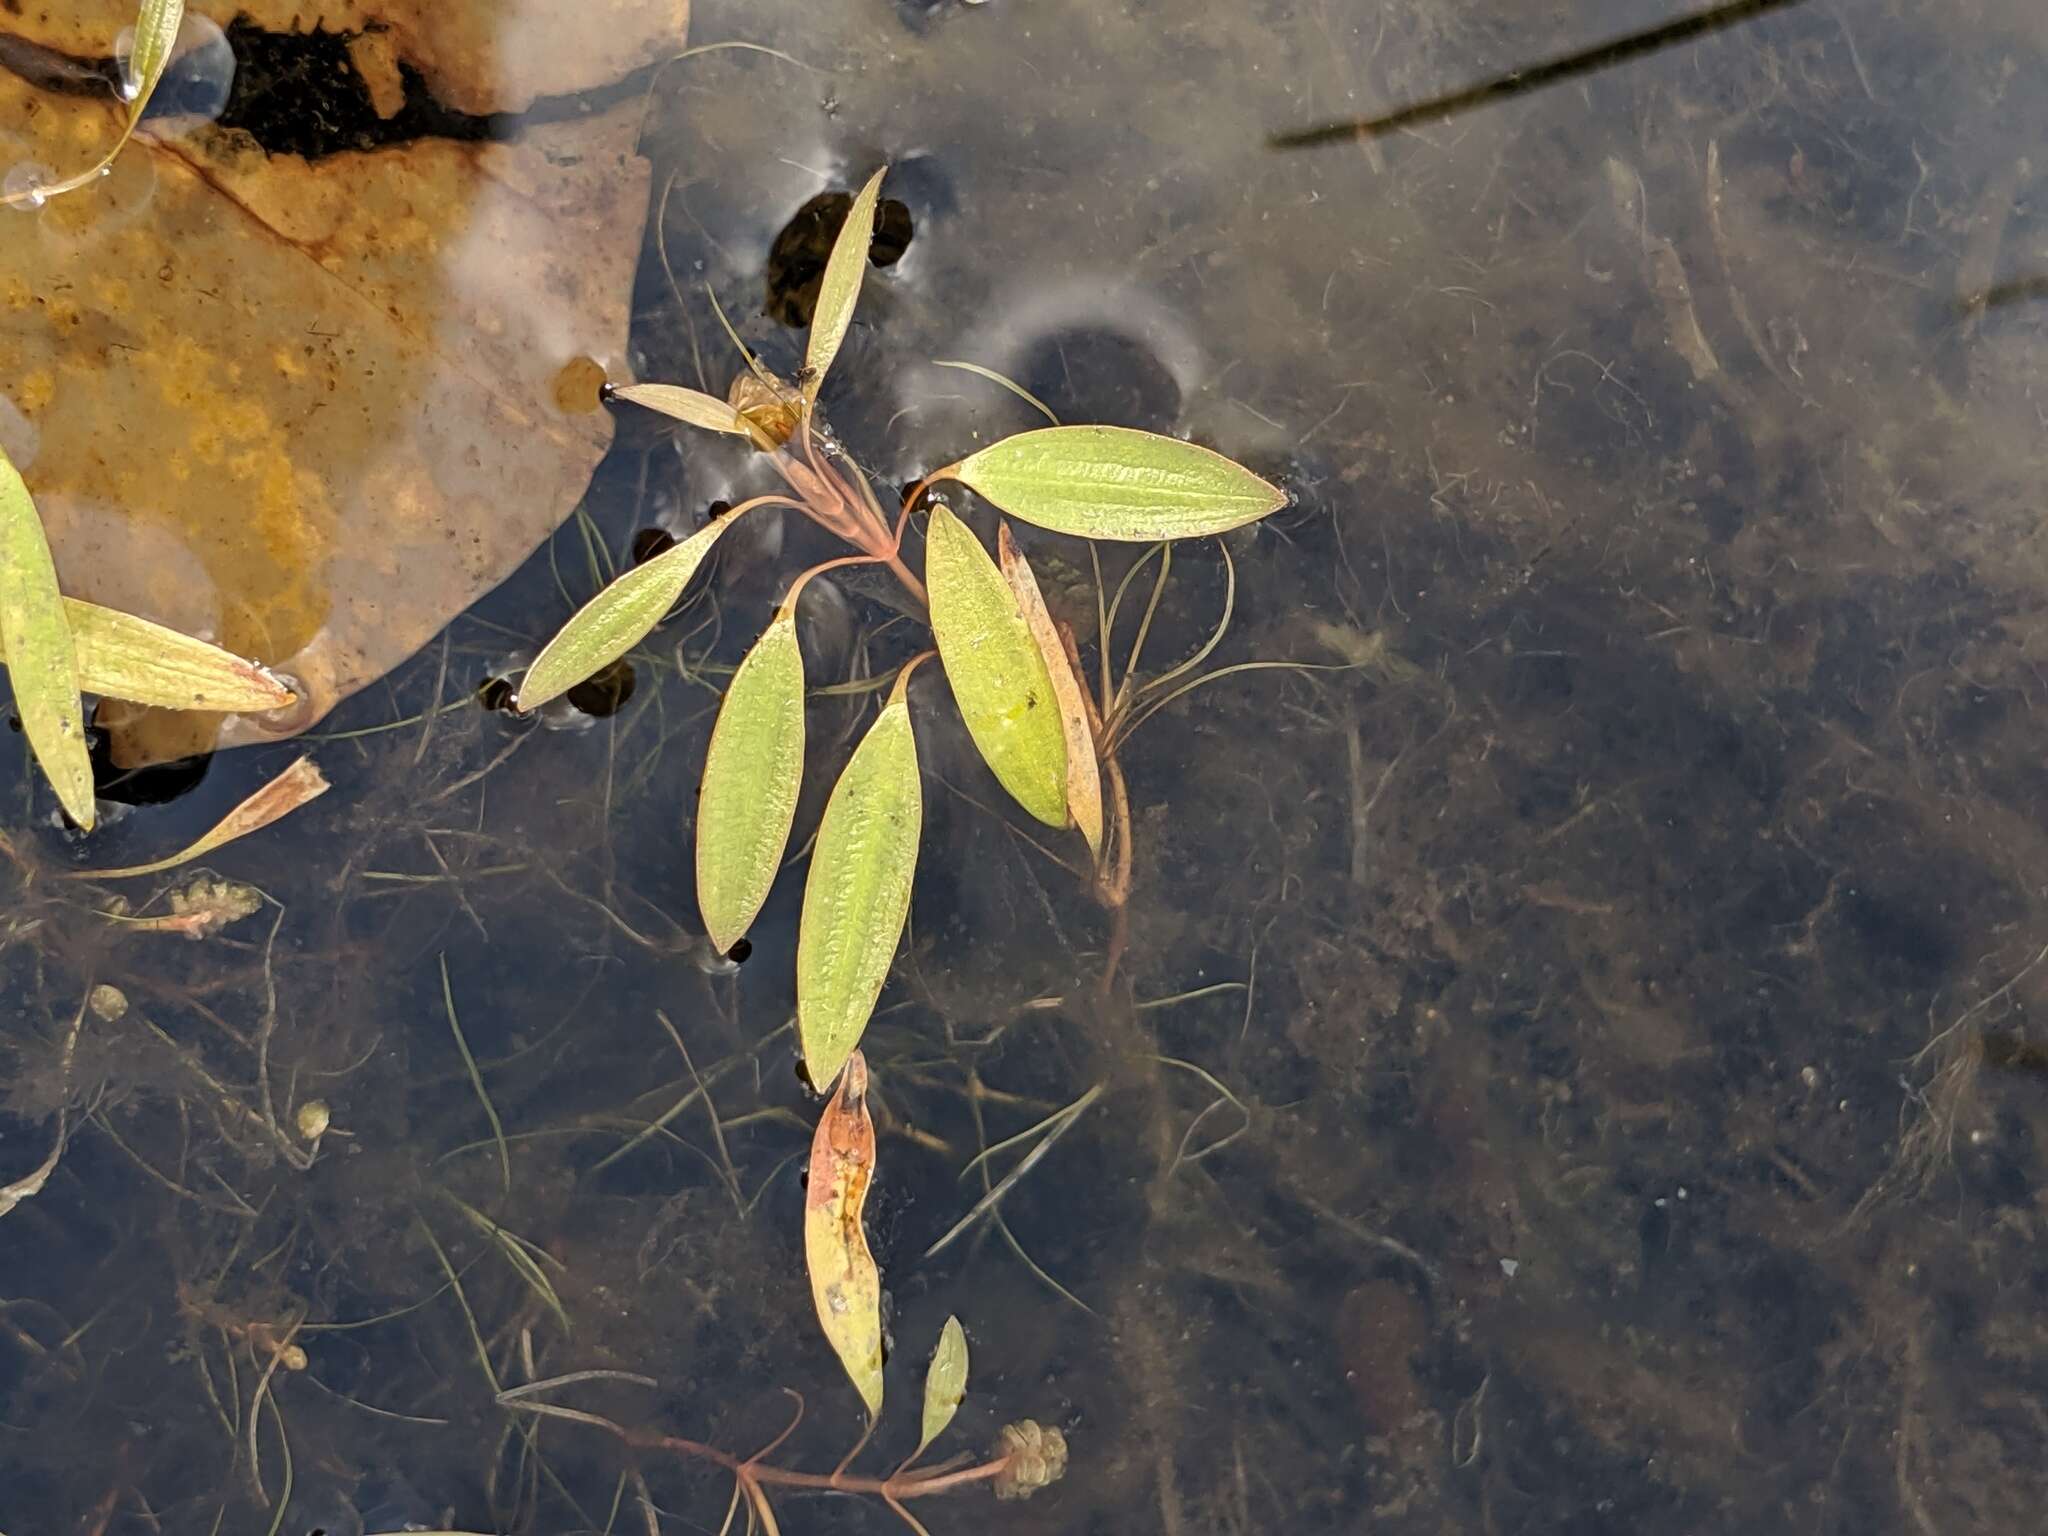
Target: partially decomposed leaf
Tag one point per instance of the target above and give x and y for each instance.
(298, 784)
(945, 1383)
(120, 656)
(687, 405)
(753, 774)
(845, 1285)
(36, 638)
(857, 894)
(156, 32)
(199, 910)
(1084, 774)
(840, 289)
(617, 619)
(1116, 483)
(1000, 679)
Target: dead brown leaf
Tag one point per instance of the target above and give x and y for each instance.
(308, 409)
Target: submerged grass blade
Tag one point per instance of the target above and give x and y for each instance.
(617, 619)
(753, 774)
(999, 676)
(36, 637)
(298, 784)
(1116, 483)
(839, 292)
(476, 1080)
(857, 894)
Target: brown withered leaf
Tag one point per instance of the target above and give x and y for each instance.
(311, 409)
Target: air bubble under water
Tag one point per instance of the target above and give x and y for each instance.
(199, 79)
(23, 186)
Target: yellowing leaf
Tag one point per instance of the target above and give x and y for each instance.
(687, 405)
(753, 774)
(617, 619)
(156, 33)
(297, 785)
(857, 893)
(840, 289)
(845, 1284)
(1116, 483)
(999, 679)
(36, 637)
(945, 1383)
(1084, 774)
(120, 656)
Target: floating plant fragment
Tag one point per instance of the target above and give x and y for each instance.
(156, 32)
(296, 786)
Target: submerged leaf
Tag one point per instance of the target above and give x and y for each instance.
(36, 637)
(120, 656)
(840, 289)
(753, 773)
(945, 1383)
(845, 1285)
(686, 405)
(857, 894)
(1084, 774)
(616, 620)
(1116, 483)
(999, 678)
(298, 784)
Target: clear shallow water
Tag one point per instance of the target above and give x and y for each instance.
(1634, 957)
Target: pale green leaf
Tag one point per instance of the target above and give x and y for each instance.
(999, 679)
(1116, 483)
(753, 773)
(840, 289)
(156, 34)
(857, 894)
(686, 405)
(616, 620)
(120, 656)
(36, 638)
(945, 1383)
(1084, 776)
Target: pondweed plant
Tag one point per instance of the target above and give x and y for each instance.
(1014, 674)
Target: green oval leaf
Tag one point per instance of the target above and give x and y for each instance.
(857, 893)
(1117, 483)
(686, 405)
(1084, 777)
(156, 34)
(999, 678)
(753, 773)
(120, 656)
(840, 289)
(616, 620)
(36, 637)
(945, 1383)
